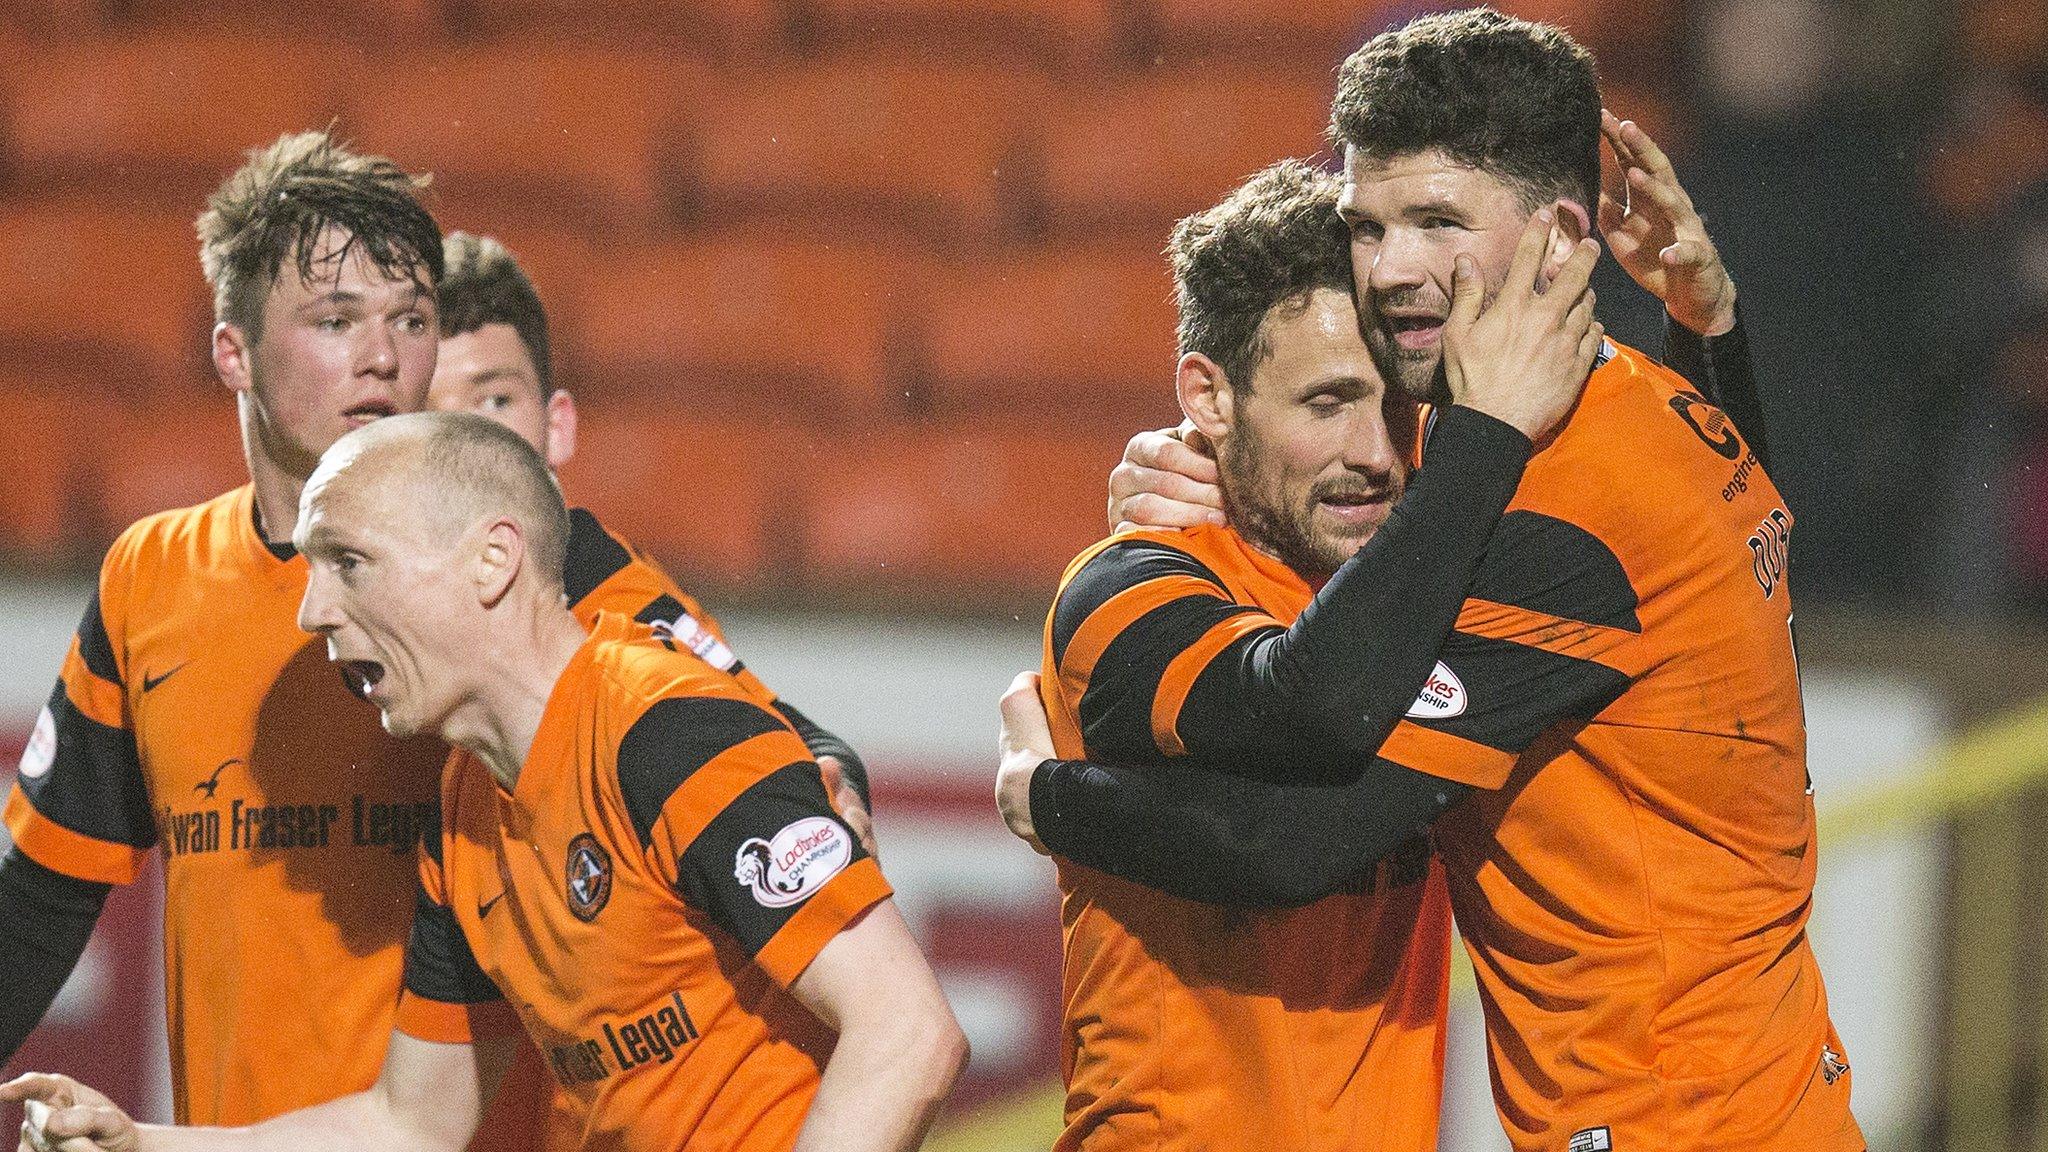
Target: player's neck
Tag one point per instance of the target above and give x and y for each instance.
(527, 659)
(277, 486)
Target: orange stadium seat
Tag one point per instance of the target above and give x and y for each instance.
(701, 27)
(1072, 336)
(563, 133)
(166, 115)
(1134, 156)
(831, 147)
(993, 510)
(1317, 35)
(2011, 35)
(106, 289)
(169, 455)
(378, 19)
(45, 439)
(795, 328)
(704, 497)
(1055, 31)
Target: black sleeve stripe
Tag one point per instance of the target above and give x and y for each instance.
(94, 785)
(593, 556)
(708, 874)
(1557, 568)
(823, 744)
(664, 609)
(94, 646)
(1516, 691)
(672, 740)
(439, 963)
(1116, 709)
(1115, 569)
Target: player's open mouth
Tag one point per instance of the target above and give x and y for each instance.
(362, 675)
(1416, 331)
(1354, 508)
(371, 410)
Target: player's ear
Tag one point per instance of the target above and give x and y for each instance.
(498, 561)
(1571, 223)
(231, 355)
(1204, 394)
(560, 433)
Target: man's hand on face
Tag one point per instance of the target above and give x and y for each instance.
(1525, 358)
(1657, 236)
(1025, 743)
(1167, 479)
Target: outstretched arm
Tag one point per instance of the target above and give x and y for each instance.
(429, 1097)
(899, 1048)
(52, 917)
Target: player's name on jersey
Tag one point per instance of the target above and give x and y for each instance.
(238, 826)
(656, 1037)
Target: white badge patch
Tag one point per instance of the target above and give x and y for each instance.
(702, 642)
(41, 751)
(788, 867)
(1591, 1140)
(1442, 697)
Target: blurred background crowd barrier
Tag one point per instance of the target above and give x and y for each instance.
(861, 298)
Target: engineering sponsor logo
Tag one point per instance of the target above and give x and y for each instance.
(40, 753)
(1442, 697)
(590, 877)
(1591, 1140)
(654, 1037)
(789, 866)
(1709, 423)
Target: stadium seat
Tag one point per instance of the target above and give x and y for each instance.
(1135, 155)
(169, 455)
(2010, 35)
(1070, 335)
(796, 328)
(1058, 32)
(386, 20)
(841, 147)
(990, 511)
(105, 288)
(1266, 30)
(44, 439)
(704, 497)
(165, 116)
(694, 27)
(566, 133)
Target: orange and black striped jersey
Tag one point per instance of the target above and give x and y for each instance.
(1633, 861)
(1190, 1026)
(666, 864)
(1634, 881)
(192, 714)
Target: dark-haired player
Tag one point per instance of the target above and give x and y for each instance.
(636, 858)
(1610, 747)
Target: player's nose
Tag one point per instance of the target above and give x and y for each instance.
(317, 612)
(377, 353)
(1397, 263)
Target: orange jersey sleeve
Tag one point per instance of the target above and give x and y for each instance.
(81, 805)
(734, 817)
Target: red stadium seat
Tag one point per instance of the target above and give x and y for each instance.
(45, 439)
(704, 497)
(165, 116)
(1136, 155)
(564, 133)
(831, 148)
(1056, 31)
(991, 511)
(1072, 336)
(799, 329)
(105, 289)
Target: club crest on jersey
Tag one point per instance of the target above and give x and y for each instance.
(789, 866)
(1832, 1066)
(1442, 697)
(590, 877)
(702, 642)
(41, 751)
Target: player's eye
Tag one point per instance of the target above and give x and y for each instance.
(413, 322)
(332, 324)
(1325, 403)
(1440, 222)
(1367, 230)
(497, 402)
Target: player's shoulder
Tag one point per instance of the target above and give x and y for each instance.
(1137, 556)
(641, 669)
(189, 535)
